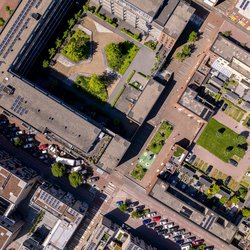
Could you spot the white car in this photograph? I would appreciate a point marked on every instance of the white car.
(163, 222)
(19, 132)
(151, 214)
(188, 157)
(53, 149)
(248, 173)
(169, 225)
(143, 217)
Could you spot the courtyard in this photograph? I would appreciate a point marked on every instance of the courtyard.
(222, 141)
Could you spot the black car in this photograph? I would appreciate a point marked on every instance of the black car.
(129, 210)
(224, 107)
(228, 179)
(158, 228)
(140, 208)
(164, 231)
(248, 123)
(233, 162)
(173, 229)
(209, 248)
(152, 224)
(180, 242)
(133, 204)
(209, 169)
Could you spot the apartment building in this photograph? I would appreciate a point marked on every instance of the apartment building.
(61, 215)
(16, 182)
(109, 235)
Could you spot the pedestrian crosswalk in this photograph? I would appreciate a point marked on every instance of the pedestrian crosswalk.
(108, 191)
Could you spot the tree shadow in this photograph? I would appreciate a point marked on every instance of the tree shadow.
(245, 134)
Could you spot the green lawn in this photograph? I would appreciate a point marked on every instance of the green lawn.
(138, 172)
(221, 141)
(161, 135)
(178, 152)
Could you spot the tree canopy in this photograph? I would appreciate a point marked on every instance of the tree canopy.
(193, 37)
(75, 179)
(78, 47)
(93, 85)
(2, 22)
(58, 169)
(246, 212)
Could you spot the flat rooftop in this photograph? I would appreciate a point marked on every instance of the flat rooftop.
(228, 50)
(146, 101)
(113, 153)
(159, 192)
(4, 236)
(189, 101)
(148, 6)
(166, 12)
(43, 113)
(178, 20)
(15, 34)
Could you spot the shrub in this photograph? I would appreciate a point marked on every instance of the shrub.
(245, 212)
(2, 22)
(151, 44)
(136, 36)
(235, 200)
(123, 208)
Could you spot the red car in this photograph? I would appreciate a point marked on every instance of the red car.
(198, 243)
(157, 218)
(43, 146)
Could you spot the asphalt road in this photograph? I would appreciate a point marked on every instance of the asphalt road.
(43, 170)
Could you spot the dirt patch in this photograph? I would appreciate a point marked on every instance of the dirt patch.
(3, 3)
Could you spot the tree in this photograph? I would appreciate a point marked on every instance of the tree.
(2, 22)
(186, 50)
(235, 199)
(58, 169)
(52, 52)
(193, 37)
(18, 142)
(214, 189)
(58, 43)
(45, 64)
(180, 56)
(75, 179)
(7, 8)
(245, 212)
(71, 22)
(227, 33)
(123, 208)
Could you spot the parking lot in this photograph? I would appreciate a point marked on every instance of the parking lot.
(157, 226)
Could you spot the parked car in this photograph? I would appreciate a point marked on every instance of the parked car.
(29, 145)
(94, 179)
(163, 231)
(145, 222)
(152, 214)
(129, 210)
(43, 157)
(140, 208)
(188, 157)
(224, 107)
(53, 149)
(169, 225)
(43, 146)
(192, 159)
(29, 139)
(180, 242)
(198, 243)
(13, 129)
(191, 239)
(186, 246)
(173, 229)
(163, 222)
(119, 203)
(167, 235)
(143, 216)
(248, 173)
(152, 224)
(133, 204)
(157, 218)
(175, 238)
(45, 151)
(228, 179)
(179, 232)
(19, 132)
(209, 169)
(233, 162)
(209, 248)
(186, 235)
(158, 228)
